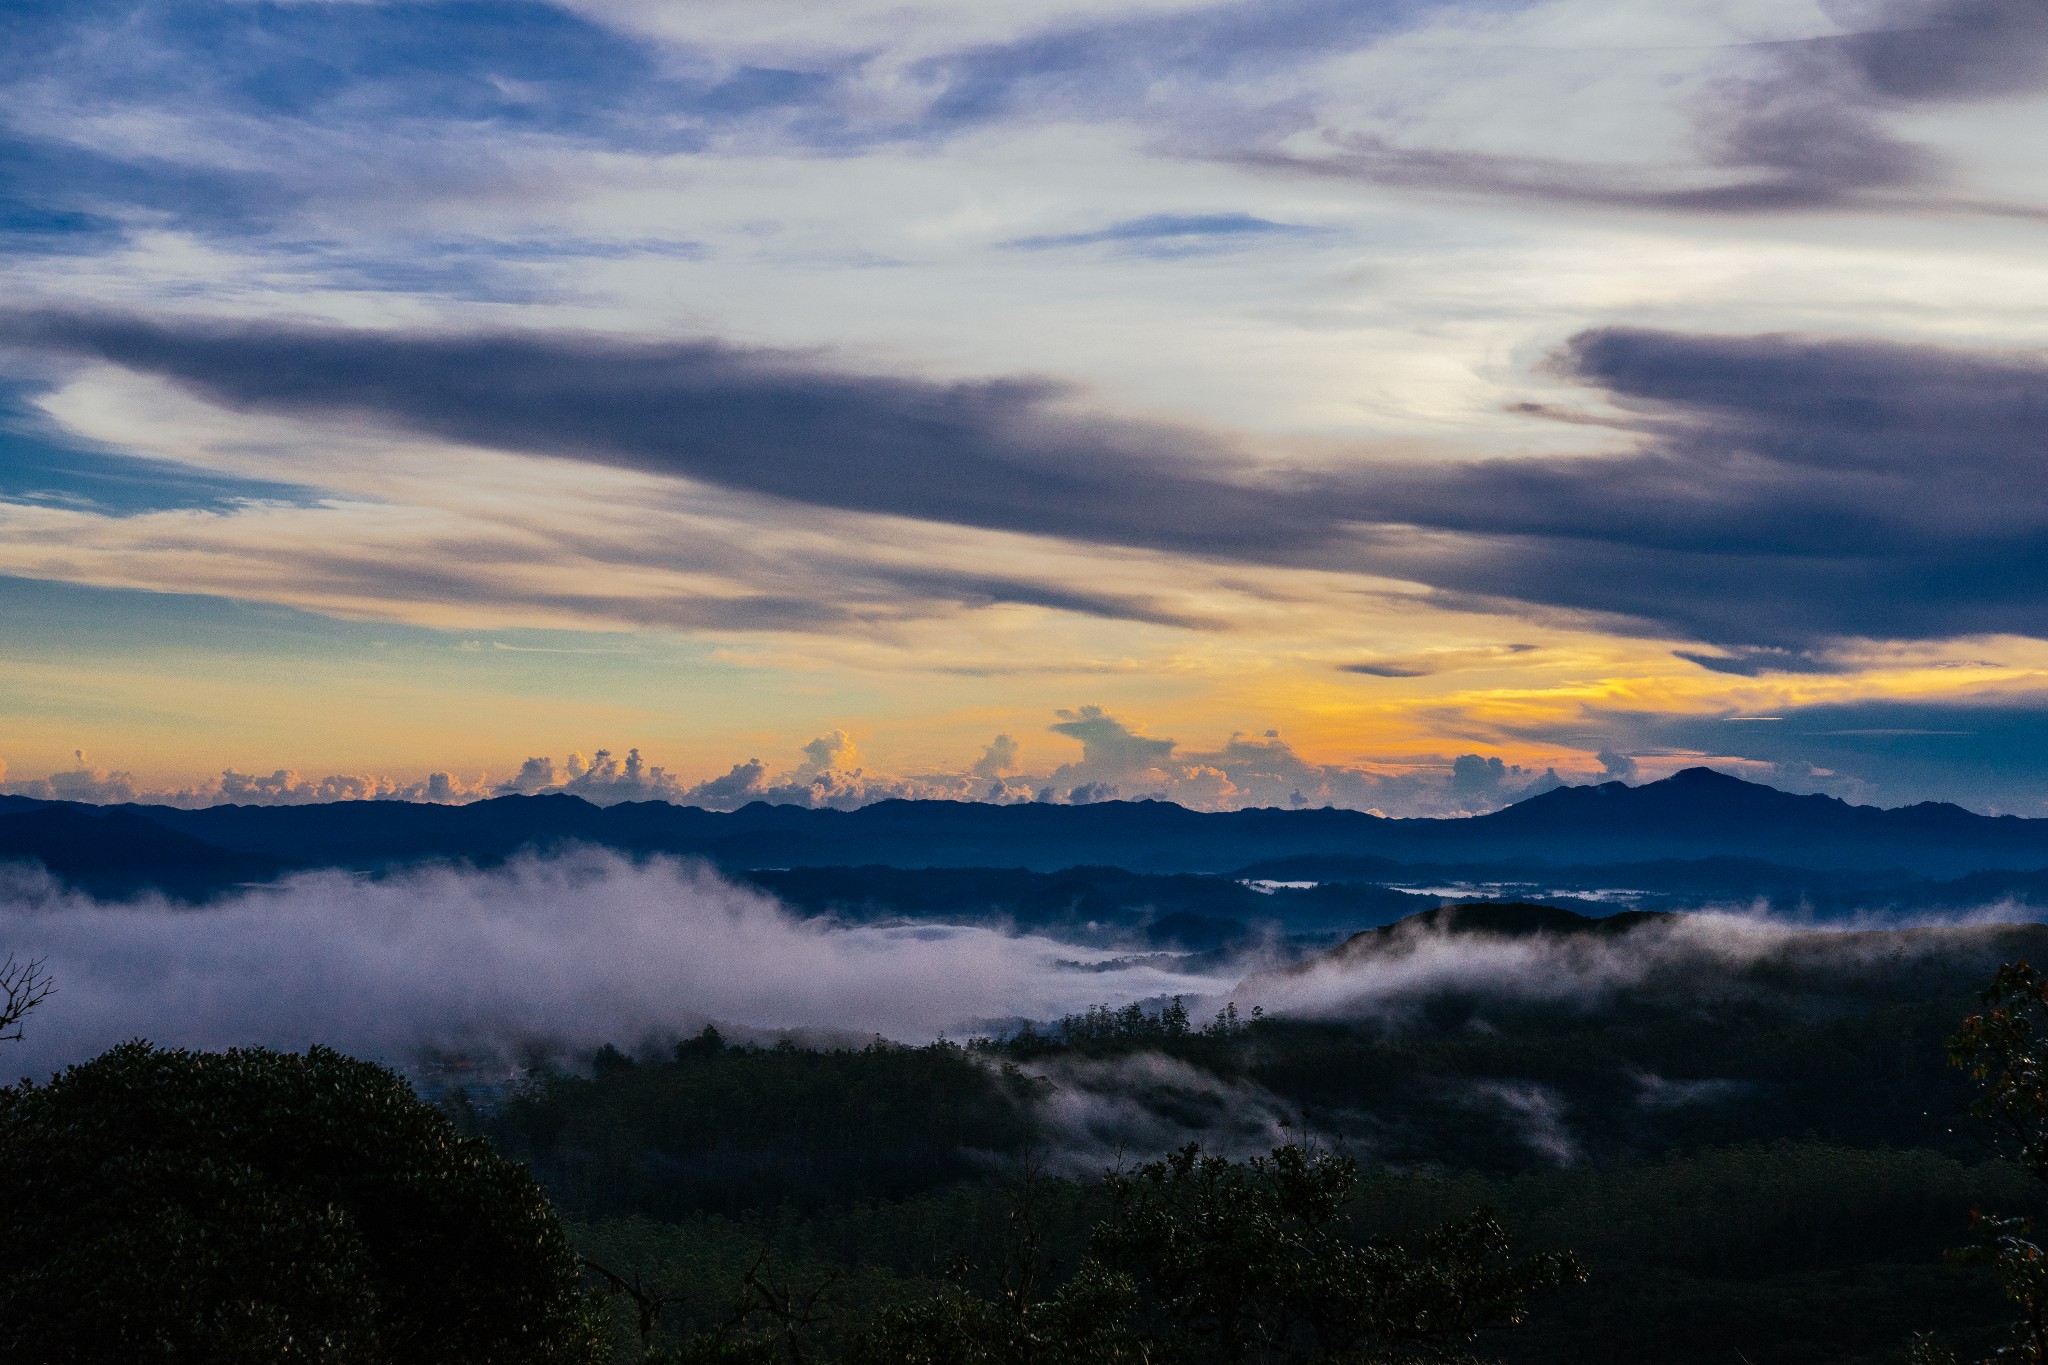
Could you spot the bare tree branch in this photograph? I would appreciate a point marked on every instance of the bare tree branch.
(23, 986)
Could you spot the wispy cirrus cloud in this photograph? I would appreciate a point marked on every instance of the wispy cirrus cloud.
(1788, 123)
(1169, 234)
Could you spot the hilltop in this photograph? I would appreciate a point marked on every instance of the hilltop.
(1696, 817)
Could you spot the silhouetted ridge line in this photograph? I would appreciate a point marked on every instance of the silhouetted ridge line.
(1695, 815)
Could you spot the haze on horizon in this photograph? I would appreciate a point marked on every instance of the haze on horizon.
(1400, 405)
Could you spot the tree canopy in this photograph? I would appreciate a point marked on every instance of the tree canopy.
(262, 1206)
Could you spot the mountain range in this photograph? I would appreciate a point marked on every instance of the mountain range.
(1697, 832)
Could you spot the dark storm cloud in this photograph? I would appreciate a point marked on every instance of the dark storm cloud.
(1788, 492)
(1785, 494)
(999, 454)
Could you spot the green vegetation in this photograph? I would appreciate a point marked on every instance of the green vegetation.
(1766, 1163)
(1784, 1252)
(725, 1129)
(1184, 1261)
(260, 1206)
(2002, 1048)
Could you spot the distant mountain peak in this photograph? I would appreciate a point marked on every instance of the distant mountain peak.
(1700, 773)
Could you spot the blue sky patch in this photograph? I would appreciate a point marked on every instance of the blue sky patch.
(42, 466)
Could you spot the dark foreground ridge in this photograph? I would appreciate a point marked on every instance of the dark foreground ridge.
(1505, 919)
(1695, 815)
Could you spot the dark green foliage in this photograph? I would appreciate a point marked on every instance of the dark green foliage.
(1259, 1262)
(866, 1259)
(1787, 1254)
(1206, 1261)
(726, 1129)
(1081, 1323)
(260, 1206)
(2001, 1048)
(1761, 1161)
(1028, 1317)
(1102, 1031)
(1841, 1038)
(1190, 1260)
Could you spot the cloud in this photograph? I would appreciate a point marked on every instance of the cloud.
(827, 774)
(275, 125)
(39, 464)
(980, 590)
(283, 787)
(1484, 781)
(1785, 493)
(1000, 757)
(1097, 1112)
(1390, 668)
(1388, 975)
(87, 783)
(827, 753)
(1432, 662)
(1110, 749)
(1756, 661)
(1193, 68)
(1265, 771)
(1988, 752)
(286, 788)
(574, 951)
(1000, 454)
(1616, 767)
(1536, 1112)
(1788, 493)
(1118, 761)
(1170, 234)
(254, 114)
(1811, 124)
(1790, 125)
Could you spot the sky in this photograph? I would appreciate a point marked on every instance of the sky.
(1389, 404)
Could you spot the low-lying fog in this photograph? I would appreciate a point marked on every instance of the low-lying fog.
(569, 951)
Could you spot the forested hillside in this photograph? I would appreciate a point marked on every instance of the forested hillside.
(1759, 1157)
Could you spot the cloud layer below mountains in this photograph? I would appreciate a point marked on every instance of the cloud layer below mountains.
(566, 952)
(1389, 977)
